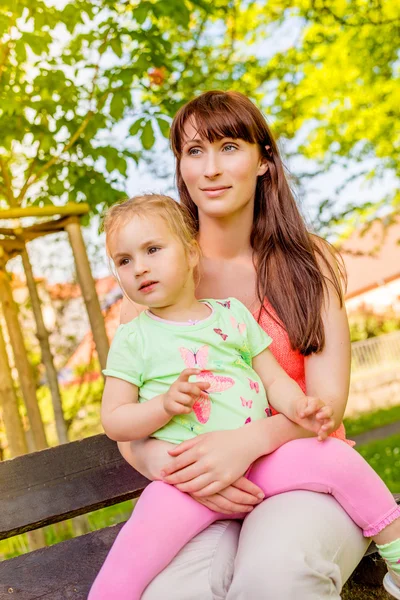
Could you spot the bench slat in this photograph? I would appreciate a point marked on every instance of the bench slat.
(54, 484)
(61, 572)
(67, 570)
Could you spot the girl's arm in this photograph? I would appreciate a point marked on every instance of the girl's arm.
(287, 397)
(123, 418)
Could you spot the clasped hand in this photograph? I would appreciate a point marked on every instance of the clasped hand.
(314, 415)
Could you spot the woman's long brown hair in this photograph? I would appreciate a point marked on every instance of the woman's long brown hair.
(287, 257)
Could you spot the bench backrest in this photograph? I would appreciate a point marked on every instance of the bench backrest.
(62, 482)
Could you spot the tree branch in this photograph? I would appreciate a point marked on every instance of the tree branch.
(8, 47)
(7, 182)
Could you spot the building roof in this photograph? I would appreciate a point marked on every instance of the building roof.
(372, 258)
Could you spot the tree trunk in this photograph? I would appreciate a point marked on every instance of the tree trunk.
(9, 404)
(88, 288)
(26, 379)
(47, 358)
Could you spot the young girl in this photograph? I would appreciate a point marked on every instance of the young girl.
(148, 393)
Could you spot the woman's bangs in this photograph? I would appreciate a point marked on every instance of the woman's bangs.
(224, 122)
(221, 124)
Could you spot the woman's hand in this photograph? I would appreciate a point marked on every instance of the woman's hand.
(210, 462)
(240, 497)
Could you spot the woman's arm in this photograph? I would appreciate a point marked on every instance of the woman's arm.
(210, 462)
(328, 372)
(149, 457)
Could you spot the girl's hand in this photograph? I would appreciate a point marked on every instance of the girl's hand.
(210, 462)
(314, 415)
(240, 497)
(183, 394)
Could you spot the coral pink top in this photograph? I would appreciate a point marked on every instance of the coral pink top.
(290, 360)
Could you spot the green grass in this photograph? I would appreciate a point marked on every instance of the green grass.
(372, 420)
(66, 530)
(384, 458)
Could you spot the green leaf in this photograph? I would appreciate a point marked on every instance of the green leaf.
(147, 136)
(137, 125)
(164, 127)
(117, 106)
(116, 45)
(141, 12)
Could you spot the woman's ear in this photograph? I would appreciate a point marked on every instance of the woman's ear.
(263, 167)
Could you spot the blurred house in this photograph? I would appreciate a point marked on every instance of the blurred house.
(372, 262)
(66, 319)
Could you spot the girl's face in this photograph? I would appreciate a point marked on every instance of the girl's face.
(151, 262)
(221, 176)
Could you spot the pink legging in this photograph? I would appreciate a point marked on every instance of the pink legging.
(165, 519)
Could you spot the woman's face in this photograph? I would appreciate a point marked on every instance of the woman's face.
(221, 177)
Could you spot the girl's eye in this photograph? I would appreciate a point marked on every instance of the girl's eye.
(153, 249)
(123, 261)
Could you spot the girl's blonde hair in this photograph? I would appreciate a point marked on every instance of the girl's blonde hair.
(175, 215)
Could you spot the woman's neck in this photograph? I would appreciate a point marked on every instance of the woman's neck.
(226, 239)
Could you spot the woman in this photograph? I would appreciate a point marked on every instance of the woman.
(256, 248)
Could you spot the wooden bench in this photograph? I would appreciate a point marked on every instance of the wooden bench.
(53, 485)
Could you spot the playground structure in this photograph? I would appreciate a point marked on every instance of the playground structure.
(13, 242)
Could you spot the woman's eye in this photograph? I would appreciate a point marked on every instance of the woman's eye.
(194, 151)
(153, 249)
(230, 147)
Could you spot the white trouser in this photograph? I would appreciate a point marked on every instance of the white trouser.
(298, 545)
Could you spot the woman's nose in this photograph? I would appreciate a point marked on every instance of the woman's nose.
(212, 166)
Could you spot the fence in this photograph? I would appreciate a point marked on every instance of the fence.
(376, 355)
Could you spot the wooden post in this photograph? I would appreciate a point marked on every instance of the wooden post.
(16, 212)
(9, 404)
(88, 288)
(47, 358)
(26, 379)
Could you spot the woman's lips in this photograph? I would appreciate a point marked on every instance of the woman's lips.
(215, 193)
(148, 287)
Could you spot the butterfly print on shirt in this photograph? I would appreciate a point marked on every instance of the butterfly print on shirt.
(225, 303)
(254, 385)
(246, 403)
(218, 383)
(220, 332)
(240, 326)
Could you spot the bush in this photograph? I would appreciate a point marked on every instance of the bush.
(365, 323)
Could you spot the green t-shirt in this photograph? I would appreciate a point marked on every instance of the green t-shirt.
(151, 353)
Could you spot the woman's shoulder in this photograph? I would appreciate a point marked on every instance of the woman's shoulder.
(130, 310)
(331, 264)
(230, 303)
